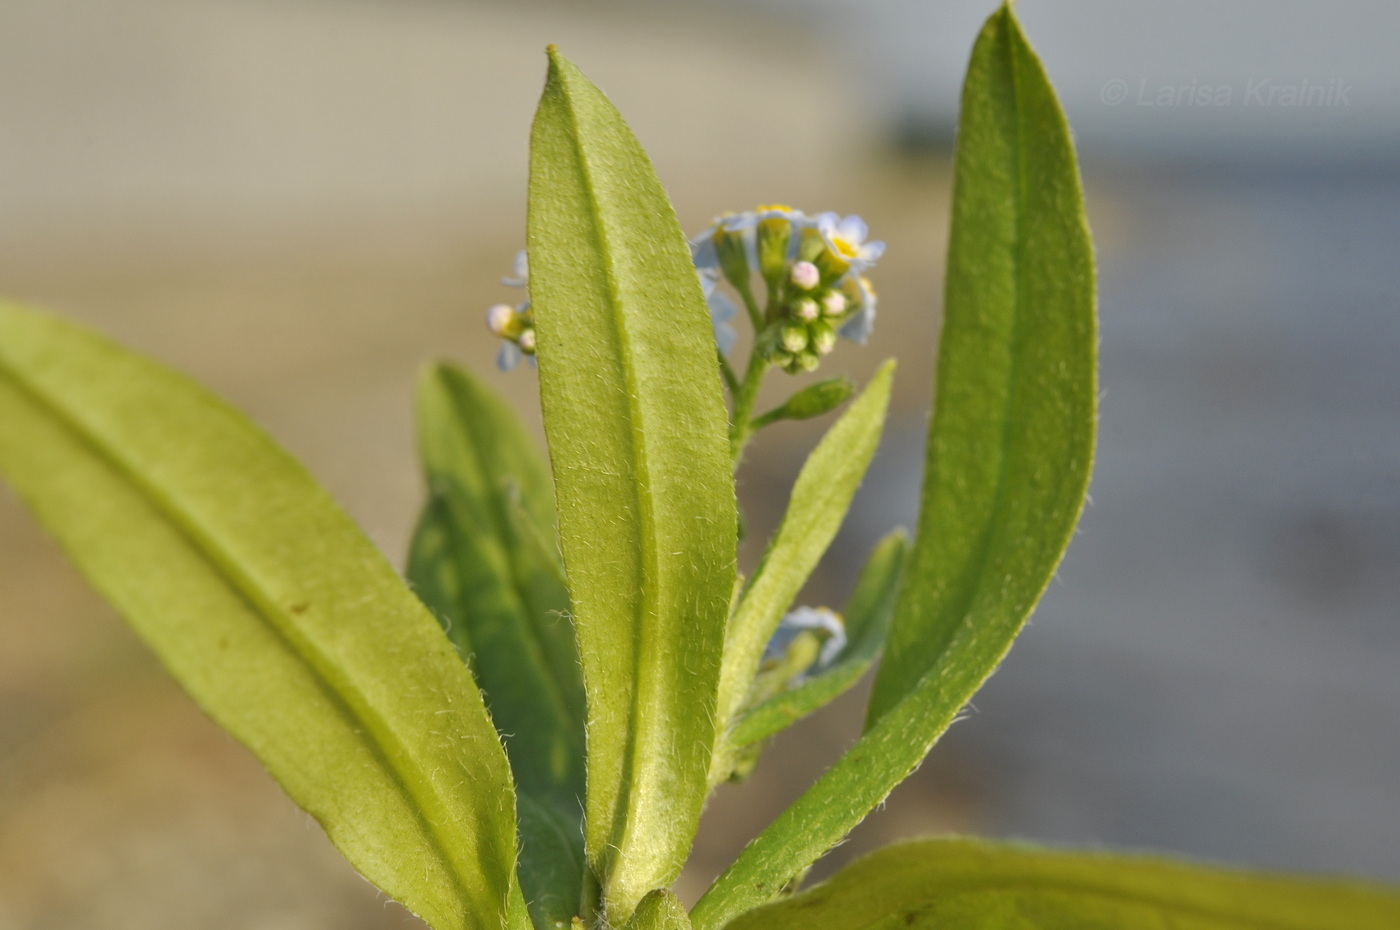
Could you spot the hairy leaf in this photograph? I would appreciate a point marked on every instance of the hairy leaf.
(480, 561)
(812, 401)
(975, 885)
(269, 607)
(1012, 435)
(637, 432)
(820, 498)
(660, 910)
(1009, 451)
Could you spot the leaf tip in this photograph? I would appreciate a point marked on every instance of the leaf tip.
(884, 375)
(433, 370)
(432, 377)
(559, 66)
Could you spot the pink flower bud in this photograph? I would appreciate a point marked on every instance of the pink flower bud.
(805, 275)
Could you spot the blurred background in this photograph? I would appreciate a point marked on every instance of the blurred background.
(299, 202)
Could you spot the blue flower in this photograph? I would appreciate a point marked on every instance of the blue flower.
(509, 356)
(722, 310)
(861, 294)
(817, 619)
(521, 275)
(814, 270)
(846, 240)
(515, 325)
(727, 246)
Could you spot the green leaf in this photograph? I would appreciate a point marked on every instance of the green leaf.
(637, 430)
(974, 885)
(867, 618)
(1012, 436)
(269, 607)
(812, 401)
(480, 563)
(820, 498)
(552, 868)
(660, 910)
(1009, 452)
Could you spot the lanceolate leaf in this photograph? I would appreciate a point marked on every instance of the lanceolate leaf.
(480, 561)
(867, 619)
(973, 885)
(637, 434)
(1012, 435)
(1008, 458)
(269, 606)
(820, 498)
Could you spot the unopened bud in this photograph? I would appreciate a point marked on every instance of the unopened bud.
(503, 321)
(823, 338)
(810, 246)
(805, 275)
(834, 303)
(527, 341)
(733, 256)
(806, 309)
(794, 338)
(808, 361)
(774, 235)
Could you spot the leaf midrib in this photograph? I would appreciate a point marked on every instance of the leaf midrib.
(648, 548)
(538, 654)
(377, 735)
(536, 658)
(990, 534)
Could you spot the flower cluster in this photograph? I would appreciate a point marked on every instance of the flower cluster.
(813, 269)
(516, 325)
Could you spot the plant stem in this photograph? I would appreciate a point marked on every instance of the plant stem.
(751, 305)
(742, 426)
